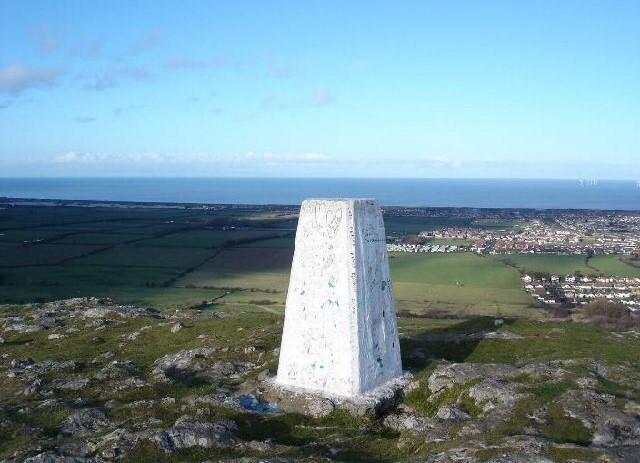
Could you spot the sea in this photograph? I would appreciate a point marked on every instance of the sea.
(476, 193)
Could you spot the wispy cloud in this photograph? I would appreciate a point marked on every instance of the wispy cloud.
(46, 40)
(120, 110)
(94, 49)
(146, 41)
(444, 161)
(321, 96)
(113, 76)
(5, 104)
(357, 64)
(262, 158)
(84, 119)
(16, 78)
(176, 64)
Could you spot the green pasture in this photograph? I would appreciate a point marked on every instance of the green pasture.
(20, 236)
(98, 238)
(87, 276)
(161, 298)
(40, 254)
(260, 281)
(455, 269)
(613, 265)
(547, 263)
(251, 260)
(285, 242)
(464, 301)
(145, 256)
(412, 225)
(459, 282)
(247, 268)
(208, 238)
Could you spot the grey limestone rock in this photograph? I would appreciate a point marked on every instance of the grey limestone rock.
(53, 457)
(197, 363)
(404, 421)
(187, 433)
(320, 407)
(71, 384)
(23, 328)
(117, 370)
(451, 414)
(84, 423)
(458, 373)
(494, 394)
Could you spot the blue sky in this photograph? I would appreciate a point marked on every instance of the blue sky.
(531, 89)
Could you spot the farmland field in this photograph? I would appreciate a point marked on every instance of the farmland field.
(143, 256)
(614, 266)
(547, 263)
(238, 257)
(40, 254)
(208, 238)
(459, 282)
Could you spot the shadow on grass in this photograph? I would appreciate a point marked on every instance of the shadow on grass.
(312, 437)
(454, 343)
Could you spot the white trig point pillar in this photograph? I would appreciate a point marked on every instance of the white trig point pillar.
(340, 334)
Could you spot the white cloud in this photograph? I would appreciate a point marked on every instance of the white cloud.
(264, 158)
(47, 40)
(15, 78)
(84, 119)
(120, 110)
(321, 96)
(444, 161)
(113, 77)
(182, 63)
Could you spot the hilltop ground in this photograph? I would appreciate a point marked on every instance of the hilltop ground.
(97, 381)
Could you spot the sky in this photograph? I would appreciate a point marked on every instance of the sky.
(217, 88)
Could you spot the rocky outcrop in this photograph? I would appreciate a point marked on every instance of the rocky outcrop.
(188, 432)
(459, 373)
(84, 423)
(197, 363)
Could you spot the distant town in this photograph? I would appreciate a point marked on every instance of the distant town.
(527, 232)
(573, 290)
(547, 232)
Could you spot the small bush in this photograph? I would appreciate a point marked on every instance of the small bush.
(609, 316)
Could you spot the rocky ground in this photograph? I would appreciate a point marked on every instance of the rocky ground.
(87, 380)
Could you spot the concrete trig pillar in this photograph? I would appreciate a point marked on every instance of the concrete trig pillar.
(340, 332)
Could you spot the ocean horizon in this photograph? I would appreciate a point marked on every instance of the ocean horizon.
(410, 192)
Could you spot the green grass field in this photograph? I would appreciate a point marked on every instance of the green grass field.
(459, 282)
(567, 264)
(143, 256)
(98, 238)
(178, 256)
(413, 225)
(248, 268)
(614, 266)
(14, 255)
(545, 263)
(208, 238)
